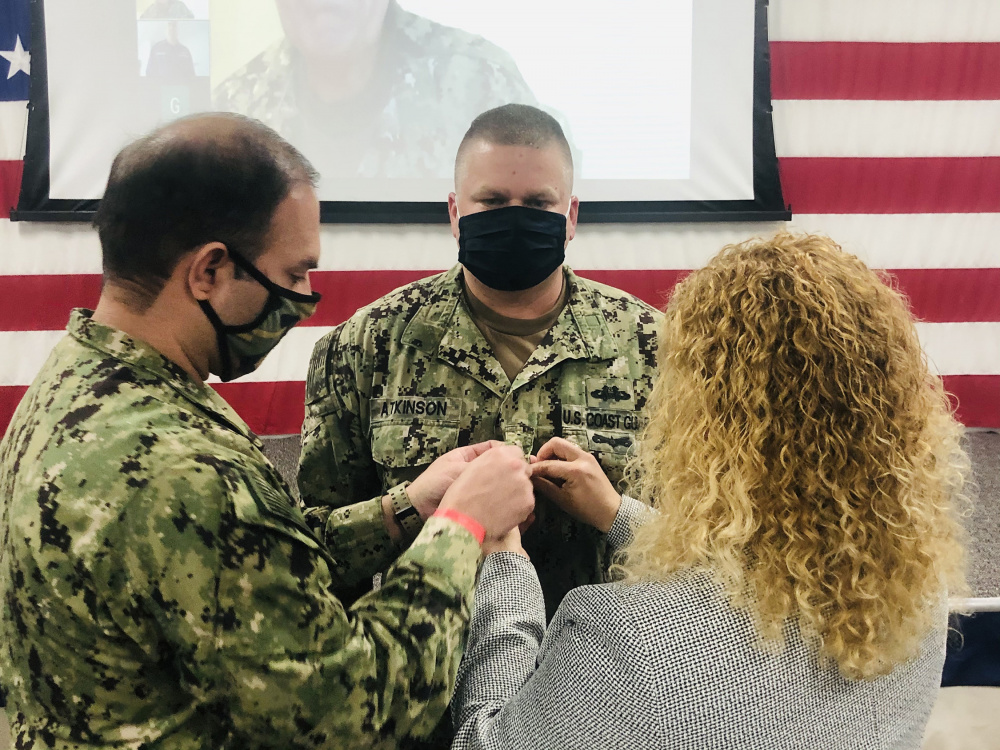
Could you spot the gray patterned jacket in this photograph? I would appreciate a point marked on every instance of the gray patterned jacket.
(664, 665)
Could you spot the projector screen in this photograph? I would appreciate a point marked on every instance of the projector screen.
(662, 101)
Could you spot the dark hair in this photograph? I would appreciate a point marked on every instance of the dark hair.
(516, 125)
(207, 178)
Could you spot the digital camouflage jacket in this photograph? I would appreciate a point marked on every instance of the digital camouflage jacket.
(411, 377)
(430, 82)
(159, 587)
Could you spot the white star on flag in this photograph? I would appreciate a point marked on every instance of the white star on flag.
(19, 59)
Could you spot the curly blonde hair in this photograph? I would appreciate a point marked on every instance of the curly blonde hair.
(800, 450)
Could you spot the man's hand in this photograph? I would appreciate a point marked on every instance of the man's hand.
(573, 480)
(494, 490)
(425, 492)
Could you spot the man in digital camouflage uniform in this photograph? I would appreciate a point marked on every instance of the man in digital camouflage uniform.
(159, 586)
(509, 344)
(368, 89)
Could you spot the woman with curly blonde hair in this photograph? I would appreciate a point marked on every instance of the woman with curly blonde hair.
(789, 588)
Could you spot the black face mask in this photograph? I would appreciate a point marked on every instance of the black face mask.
(242, 348)
(512, 248)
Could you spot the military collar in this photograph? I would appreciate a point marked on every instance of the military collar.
(426, 329)
(586, 307)
(141, 356)
(581, 329)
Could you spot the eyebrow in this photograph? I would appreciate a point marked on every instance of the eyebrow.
(547, 194)
(309, 264)
(489, 193)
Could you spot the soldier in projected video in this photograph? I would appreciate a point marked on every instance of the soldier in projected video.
(170, 60)
(367, 89)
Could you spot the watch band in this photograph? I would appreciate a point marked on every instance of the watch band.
(404, 512)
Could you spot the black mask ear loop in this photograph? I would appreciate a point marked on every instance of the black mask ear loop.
(221, 329)
(220, 337)
(265, 282)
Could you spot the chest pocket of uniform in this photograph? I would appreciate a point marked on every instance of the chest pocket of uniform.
(399, 446)
(413, 432)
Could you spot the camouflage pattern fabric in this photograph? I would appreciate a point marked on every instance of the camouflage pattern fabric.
(431, 81)
(159, 587)
(410, 377)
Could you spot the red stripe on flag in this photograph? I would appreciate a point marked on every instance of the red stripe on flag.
(269, 408)
(346, 291)
(948, 295)
(976, 397)
(10, 397)
(277, 408)
(932, 185)
(952, 295)
(10, 186)
(885, 71)
(43, 303)
(651, 286)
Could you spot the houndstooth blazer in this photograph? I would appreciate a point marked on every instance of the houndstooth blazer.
(664, 665)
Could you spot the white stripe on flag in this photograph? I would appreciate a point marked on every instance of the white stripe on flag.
(962, 348)
(13, 116)
(911, 240)
(28, 249)
(288, 361)
(290, 358)
(881, 240)
(30, 348)
(952, 349)
(816, 128)
(884, 21)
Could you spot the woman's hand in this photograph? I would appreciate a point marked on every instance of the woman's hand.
(572, 479)
(509, 542)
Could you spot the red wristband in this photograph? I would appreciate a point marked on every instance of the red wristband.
(472, 525)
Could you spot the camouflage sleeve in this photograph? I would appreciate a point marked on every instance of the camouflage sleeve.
(221, 579)
(359, 542)
(336, 470)
(335, 466)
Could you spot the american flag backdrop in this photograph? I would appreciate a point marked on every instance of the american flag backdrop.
(887, 127)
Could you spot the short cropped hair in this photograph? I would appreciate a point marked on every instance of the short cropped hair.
(188, 184)
(515, 125)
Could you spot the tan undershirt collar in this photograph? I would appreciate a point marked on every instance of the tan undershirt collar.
(514, 326)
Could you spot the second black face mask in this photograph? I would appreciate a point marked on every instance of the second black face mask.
(512, 248)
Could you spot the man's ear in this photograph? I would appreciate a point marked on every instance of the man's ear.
(453, 213)
(574, 213)
(206, 267)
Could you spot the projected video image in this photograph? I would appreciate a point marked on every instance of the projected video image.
(368, 89)
(378, 93)
(173, 50)
(378, 89)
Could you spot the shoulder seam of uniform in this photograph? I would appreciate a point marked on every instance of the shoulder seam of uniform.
(390, 299)
(611, 292)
